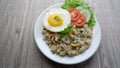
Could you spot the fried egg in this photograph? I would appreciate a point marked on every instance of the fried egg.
(56, 19)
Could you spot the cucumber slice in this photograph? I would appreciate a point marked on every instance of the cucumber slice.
(80, 8)
(87, 14)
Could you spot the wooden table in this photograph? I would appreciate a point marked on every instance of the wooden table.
(18, 48)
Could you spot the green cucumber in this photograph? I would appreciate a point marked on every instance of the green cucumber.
(85, 12)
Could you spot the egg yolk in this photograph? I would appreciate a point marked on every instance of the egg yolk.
(55, 20)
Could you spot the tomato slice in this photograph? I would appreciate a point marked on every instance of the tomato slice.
(80, 22)
(75, 14)
(77, 18)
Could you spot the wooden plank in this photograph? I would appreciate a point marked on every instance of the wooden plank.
(18, 48)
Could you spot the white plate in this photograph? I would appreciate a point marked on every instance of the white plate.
(65, 60)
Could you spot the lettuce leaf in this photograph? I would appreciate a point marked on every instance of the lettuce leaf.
(67, 31)
(80, 3)
(70, 4)
(92, 20)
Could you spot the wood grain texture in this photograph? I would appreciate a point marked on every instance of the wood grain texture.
(18, 48)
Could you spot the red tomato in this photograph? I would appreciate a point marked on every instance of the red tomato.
(80, 22)
(77, 18)
(75, 14)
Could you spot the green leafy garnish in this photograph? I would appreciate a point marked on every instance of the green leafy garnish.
(92, 20)
(70, 4)
(57, 18)
(84, 5)
(67, 31)
(80, 5)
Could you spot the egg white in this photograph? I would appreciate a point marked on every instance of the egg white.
(66, 19)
